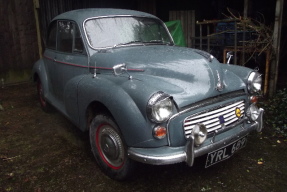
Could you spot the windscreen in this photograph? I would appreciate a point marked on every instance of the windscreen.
(125, 30)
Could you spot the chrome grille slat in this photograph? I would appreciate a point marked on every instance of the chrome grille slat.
(207, 116)
(211, 125)
(214, 128)
(214, 118)
(211, 118)
(237, 104)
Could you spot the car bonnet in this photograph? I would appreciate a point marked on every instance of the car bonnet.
(188, 75)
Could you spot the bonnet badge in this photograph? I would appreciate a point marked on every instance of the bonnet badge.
(238, 112)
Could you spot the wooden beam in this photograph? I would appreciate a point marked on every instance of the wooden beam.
(36, 8)
(276, 45)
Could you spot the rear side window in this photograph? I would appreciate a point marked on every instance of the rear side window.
(52, 36)
(65, 36)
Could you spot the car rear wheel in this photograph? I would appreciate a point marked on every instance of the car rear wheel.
(44, 104)
(109, 148)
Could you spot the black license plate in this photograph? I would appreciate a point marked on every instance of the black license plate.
(225, 152)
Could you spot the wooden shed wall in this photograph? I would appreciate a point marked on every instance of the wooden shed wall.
(18, 40)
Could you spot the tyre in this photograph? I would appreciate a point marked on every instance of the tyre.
(44, 104)
(109, 148)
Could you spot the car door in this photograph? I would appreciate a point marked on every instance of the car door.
(71, 63)
(68, 62)
(48, 57)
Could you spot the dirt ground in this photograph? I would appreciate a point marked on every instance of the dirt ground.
(45, 152)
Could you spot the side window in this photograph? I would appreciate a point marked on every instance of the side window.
(69, 38)
(52, 35)
(65, 36)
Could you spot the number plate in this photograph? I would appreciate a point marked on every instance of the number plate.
(225, 152)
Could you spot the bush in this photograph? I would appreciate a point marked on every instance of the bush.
(275, 115)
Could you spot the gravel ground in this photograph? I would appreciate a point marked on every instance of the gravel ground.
(45, 152)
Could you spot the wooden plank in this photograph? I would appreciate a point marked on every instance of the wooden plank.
(276, 45)
(193, 26)
(188, 23)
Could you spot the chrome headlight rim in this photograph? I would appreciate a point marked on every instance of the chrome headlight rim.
(158, 104)
(254, 82)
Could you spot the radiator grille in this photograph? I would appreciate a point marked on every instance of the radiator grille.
(213, 119)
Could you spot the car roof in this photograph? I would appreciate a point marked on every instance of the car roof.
(81, 15)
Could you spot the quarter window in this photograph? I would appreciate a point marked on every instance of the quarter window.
(52, 35)
(65, 36)
(78, 43)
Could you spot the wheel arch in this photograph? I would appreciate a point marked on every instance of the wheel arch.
(128, 114)
(35, 77)
(93, 109)
(39, 73)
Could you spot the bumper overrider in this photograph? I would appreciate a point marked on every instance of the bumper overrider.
(170, 155)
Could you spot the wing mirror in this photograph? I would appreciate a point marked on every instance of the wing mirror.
(120, 69)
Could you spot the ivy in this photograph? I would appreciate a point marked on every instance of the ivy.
(275, 114)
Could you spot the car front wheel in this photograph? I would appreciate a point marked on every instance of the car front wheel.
(109, 148)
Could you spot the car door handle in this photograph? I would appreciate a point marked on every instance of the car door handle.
(55, 59)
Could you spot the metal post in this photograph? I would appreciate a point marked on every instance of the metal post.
(208, 40)
(235, 43)
(244, 29)
(200, 37)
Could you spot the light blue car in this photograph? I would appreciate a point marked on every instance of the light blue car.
(117, 74)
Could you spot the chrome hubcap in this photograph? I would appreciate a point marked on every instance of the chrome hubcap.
(111, 146)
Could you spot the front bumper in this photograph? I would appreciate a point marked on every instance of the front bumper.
(170, 155)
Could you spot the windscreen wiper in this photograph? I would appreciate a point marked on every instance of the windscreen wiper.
(127, 43)
(159, 41)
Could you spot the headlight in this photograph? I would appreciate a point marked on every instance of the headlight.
(254, 82)
(159, 107)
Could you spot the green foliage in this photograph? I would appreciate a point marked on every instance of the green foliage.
(276, 113)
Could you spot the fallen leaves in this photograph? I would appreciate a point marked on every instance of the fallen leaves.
(6, 158)
(260, 161)
(1, 108)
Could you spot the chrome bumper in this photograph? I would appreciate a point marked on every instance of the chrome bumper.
(170, 155)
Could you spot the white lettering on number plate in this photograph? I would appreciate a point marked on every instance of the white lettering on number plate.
(225, 152)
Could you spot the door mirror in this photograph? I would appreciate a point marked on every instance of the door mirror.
(119, 69)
